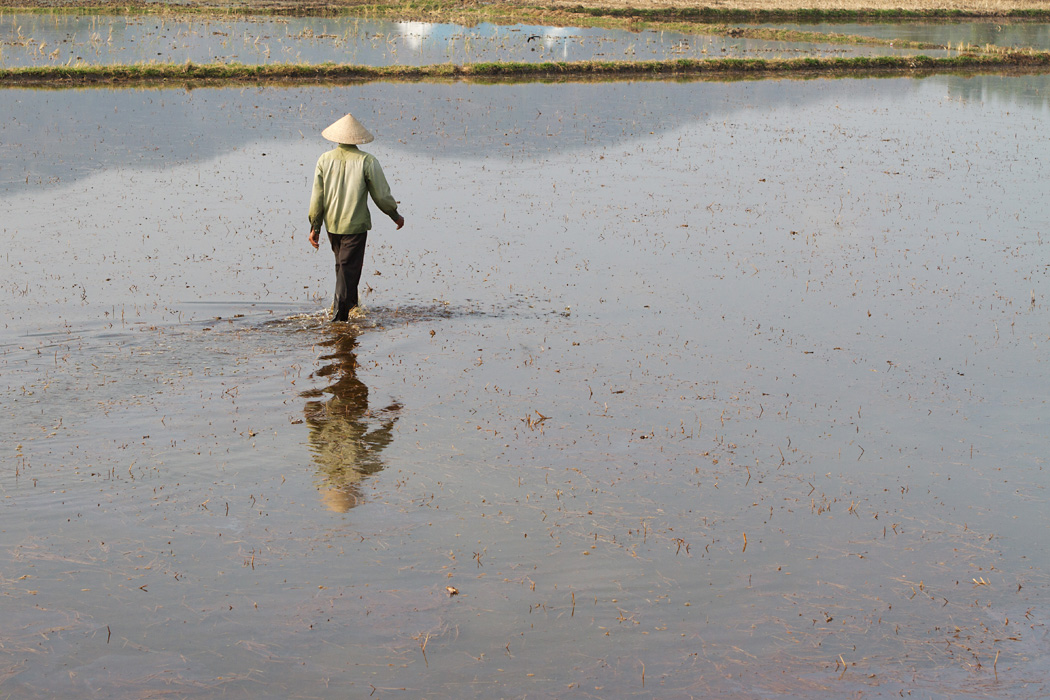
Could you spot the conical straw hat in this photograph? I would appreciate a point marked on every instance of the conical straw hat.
(349, 131)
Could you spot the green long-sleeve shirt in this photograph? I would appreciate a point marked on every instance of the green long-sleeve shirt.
(342, 179)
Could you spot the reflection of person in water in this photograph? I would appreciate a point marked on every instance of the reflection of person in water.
(345, 436)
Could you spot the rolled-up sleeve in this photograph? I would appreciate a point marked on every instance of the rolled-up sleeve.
(378, 188)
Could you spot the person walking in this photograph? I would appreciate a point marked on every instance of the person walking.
(343, 180)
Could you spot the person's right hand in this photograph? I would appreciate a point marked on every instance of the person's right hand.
(314, 237)
(400, 221)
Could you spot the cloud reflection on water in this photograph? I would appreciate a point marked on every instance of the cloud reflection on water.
(413, 34)
(50, 136)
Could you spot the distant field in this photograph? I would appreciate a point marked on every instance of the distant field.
(990, 8)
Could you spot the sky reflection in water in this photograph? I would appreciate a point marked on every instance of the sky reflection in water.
(1016, 35)
(156, 128)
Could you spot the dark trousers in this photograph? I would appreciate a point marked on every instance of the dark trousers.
(349, 252)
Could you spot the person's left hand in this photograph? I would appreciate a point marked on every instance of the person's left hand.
(400, 221)
(314, 237)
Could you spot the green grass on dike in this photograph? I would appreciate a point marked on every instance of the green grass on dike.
(191, 73)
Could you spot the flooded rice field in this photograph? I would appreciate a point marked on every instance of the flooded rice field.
(1014, 35)
(666, 389)
(62, 39)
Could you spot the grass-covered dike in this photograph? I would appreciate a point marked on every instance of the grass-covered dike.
(727, 67)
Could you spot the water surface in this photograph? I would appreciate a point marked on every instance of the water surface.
(687, 388)
(1017, 35)
(39, 40)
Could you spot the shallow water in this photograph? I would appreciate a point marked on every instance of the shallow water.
(41, 40)
(1016, 35)
(684, 401)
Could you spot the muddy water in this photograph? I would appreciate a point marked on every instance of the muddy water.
(691, 401)
(1018, 35)
(41, 40)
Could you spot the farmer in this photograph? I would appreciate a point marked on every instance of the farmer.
(342, 179)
